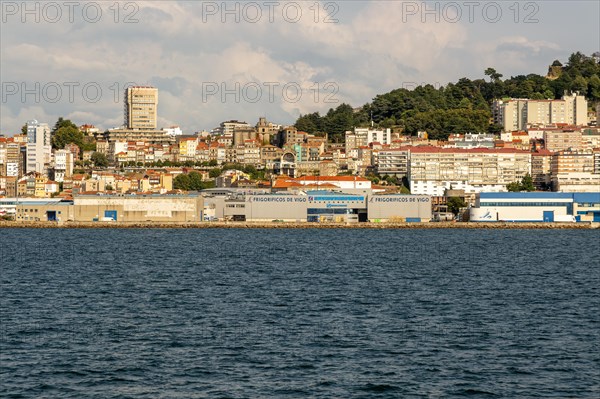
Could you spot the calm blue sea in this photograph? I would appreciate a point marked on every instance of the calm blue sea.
(230, 313)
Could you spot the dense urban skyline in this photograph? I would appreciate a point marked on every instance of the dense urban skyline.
(265, 49)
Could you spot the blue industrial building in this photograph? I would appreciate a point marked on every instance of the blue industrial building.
(536, 207)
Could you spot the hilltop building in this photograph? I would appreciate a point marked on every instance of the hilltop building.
(141, 103)
(517, 113)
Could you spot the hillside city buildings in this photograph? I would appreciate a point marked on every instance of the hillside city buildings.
(550, 140)
(516, 113)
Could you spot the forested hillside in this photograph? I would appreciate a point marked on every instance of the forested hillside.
(459, 107)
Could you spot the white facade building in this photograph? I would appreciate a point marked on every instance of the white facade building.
(12, 169)
(517, 113)
(173, 131)
(39, 149)
(433, 170)
(364, 136)
(63, 165)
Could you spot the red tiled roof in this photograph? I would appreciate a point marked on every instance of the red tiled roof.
(331, 178)
(542, 152)
(282, 183)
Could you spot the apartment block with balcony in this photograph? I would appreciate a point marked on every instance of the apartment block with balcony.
(518, 114)
(433, 170)
(572, 162)
(364, 136)
(393, 162)
(541, 169)
(563, 140)
(63, 166)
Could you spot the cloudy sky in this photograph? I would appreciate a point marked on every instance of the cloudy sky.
(214, 61)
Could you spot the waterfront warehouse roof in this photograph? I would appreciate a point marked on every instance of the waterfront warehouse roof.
(526, 195)
(322, 193)
(592, 198)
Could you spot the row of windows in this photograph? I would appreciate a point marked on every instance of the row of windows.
(33, 211)
(546, 204)
(330, 211)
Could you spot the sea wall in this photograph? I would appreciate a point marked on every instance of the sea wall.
(282, 225)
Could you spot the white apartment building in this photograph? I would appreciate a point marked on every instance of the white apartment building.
(114, 148)
(227, 128)
(173, 131)
(471, 140)
(251, 154)
(63, 165)
(12, 169)
(518, 113)
(364, 136)
(583, 182)
(393, 162)
(39, 148)
(433, 170)
(590, 138)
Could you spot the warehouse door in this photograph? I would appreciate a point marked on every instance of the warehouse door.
(110, 215)
(51, 216)
(549, 216)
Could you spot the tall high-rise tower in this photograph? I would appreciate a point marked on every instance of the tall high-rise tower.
(141, 103)
(39, 149)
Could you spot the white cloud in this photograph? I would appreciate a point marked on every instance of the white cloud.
(370, 51)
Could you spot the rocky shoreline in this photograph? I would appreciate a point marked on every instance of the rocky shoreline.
(295, 225)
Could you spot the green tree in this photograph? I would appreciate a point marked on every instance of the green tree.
(514, 187)
(66, 135)
(594, 88)
(214, 173)
(181, 182)
(580, 85)
(60, 123)
(251, 170)
(99, 159)
(196, 183)
(455, 203)
(493, 74)
(191, 182)
(465, 103)
(308, 123)
(527, 183)
(24, 129)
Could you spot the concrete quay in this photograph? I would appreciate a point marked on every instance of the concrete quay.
(297, 225)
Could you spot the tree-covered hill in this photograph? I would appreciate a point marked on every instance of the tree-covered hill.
(459, 107)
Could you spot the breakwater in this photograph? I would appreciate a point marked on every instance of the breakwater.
(298, 225)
